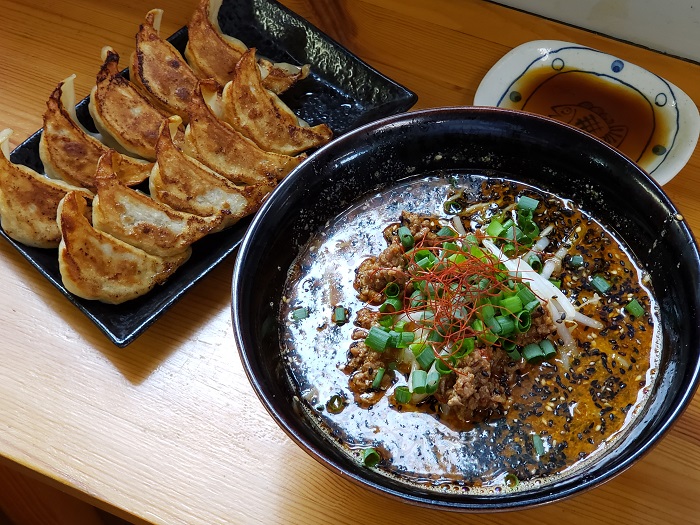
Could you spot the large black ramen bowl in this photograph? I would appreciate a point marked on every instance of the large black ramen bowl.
(529, 148)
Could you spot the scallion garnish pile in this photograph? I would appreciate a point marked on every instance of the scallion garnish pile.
(468, 290)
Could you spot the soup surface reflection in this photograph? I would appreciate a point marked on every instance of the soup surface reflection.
(554, 414)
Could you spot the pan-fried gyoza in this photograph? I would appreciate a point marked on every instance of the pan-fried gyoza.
(29, 200)
(70, 153)
(262, 116)
(159, 71)
(213, 54)
(164, 168)
(216, 144)
(94, 265)
(185, 184)
(126, 119)
(135, 218)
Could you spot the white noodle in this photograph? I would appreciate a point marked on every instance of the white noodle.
(459, 227)
(553, 264)
(568, 347)
(587, 321)
(547, 231)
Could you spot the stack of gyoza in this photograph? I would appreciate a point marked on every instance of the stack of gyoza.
(209, 133)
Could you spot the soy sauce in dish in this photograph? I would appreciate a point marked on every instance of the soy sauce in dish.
(600, 105)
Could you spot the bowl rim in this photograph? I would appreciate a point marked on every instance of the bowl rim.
(524, 499)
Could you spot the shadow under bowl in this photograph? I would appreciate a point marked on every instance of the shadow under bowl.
(525, 147)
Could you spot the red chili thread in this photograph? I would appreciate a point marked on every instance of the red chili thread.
(453, 287)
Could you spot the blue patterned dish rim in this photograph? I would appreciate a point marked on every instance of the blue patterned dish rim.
(532, 69)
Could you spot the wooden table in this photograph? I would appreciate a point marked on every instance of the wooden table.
(168, 430)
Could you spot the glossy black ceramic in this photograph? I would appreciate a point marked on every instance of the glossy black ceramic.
(341, 91)
(524, 147)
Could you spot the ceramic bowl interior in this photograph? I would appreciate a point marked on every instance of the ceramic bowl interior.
(528, 148)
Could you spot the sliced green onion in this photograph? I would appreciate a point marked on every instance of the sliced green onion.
(433, 290)
(535, 262)
(529, 228)
(457, 258)
(506, 325)
(435, 337)
(538, 444)
(512, 304)
(576, 261)
(526, 294)
(532, 306)
(417, 299)
(556, 282)
(450, 247)
(452, 207)
(634, 308)
(508, 224)
(446, 231)
(432, 382)
(300, 313)
(392, 290)
(400, 326)
(406, 237)
(470, 240)
(485, 284)
(488, 337)
(527, 203)
(599, 283)
(402, 394)
(377, 339)
(511, 480)
(387, 321)
(419, 380)
(377, 382)
(417, 348)
(477, 252)
(495, 228)
(515, 235)
(486, 309)
(426, 357)
(404, 339)
(340, 315)
(524, 216)
(463, 347)
(370, 457)
(335, 404)
(548, 349)
(442, 367)
(533, 353)
(524, 321)
(511, 349)
(509, 250)
(392, 304)
(426, 263)
(493, 325)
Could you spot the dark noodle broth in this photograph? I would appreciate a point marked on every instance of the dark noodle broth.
(576, 404)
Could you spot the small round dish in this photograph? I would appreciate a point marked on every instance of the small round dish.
(646, 117)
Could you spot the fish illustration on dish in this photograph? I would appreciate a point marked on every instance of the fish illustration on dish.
(592, 119)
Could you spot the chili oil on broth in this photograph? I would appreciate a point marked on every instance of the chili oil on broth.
(578, 412)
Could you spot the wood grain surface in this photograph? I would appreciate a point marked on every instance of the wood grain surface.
(168, 429)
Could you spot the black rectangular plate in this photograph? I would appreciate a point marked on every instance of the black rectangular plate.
(341, 91)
